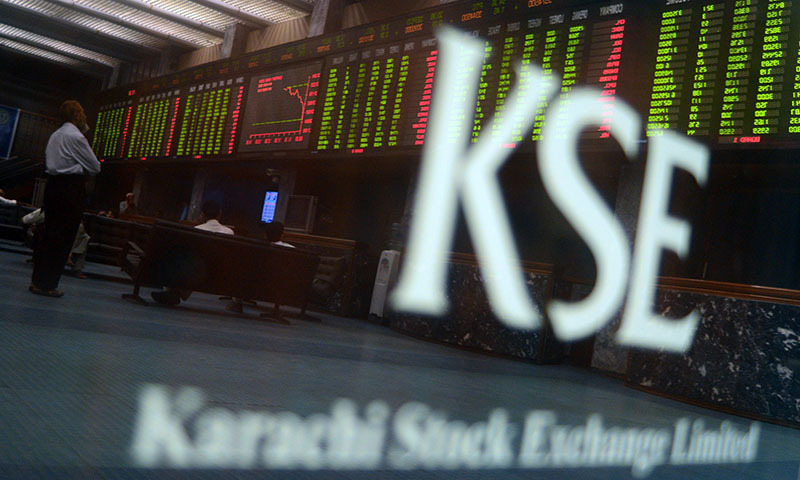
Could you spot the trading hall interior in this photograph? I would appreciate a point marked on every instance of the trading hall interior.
(411, 239)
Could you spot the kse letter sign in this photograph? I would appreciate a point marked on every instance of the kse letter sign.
(454, 171)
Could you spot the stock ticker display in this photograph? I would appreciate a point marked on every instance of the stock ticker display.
(280, 109)
(378, 97)
(580, 46)
(726, 72)
(210, 118)
(111, 129)
(154, 125)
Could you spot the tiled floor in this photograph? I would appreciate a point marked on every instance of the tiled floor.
(72, 370)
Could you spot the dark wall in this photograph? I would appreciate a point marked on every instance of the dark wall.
(540, 230)
(240, 191)
(359, 199)
(164, 191)
(110, 187)
(40, 86)
(745, 223)
(751, 224)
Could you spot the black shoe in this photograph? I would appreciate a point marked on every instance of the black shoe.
(165, 298)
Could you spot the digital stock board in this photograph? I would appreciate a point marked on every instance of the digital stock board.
(210, 118)
(153, 125)
(373, 98)
(280, 109)
(726, 72)
(111, 130)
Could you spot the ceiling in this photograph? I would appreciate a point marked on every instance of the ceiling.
(95, 36)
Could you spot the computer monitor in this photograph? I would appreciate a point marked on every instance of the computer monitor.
(300, 213)
(268, 209)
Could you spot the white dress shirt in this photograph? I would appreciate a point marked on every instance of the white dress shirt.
(68, 153)
(214, 226)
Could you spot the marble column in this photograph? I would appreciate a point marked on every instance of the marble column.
(608, 355)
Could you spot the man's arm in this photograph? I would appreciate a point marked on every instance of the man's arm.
(85, 156)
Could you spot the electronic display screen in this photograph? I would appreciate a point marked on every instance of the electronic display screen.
(280, 109)
(722, 71)
(581, 46)
(9, 117)
(210, 118)
(378, 97)
(112, 129)
(268, 210)
(726, 70)
(153, 127)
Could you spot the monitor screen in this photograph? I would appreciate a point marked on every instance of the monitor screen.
(280, 109)
(300, 213)
(268, 210)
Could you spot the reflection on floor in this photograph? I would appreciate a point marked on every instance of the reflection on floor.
(72, 371)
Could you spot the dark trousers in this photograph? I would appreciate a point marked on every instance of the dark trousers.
(64, 201)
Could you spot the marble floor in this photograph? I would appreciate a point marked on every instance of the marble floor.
(75, 373)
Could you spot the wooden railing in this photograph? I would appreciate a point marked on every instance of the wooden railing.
(690, 285)
(731, 290)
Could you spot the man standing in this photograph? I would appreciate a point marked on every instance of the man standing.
(68, 158)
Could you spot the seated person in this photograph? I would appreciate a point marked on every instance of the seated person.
(9, 201)
(77, 256)
(211, 215)
(4, 200)
(273, 232)
(128, 206)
